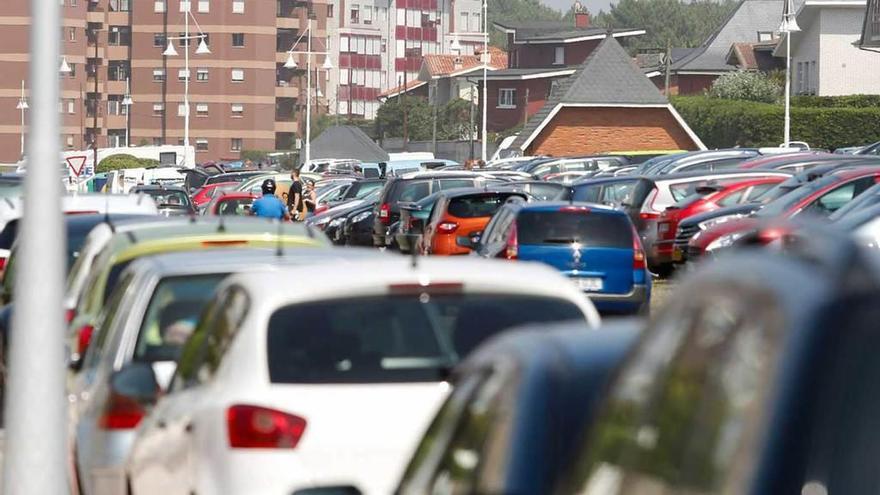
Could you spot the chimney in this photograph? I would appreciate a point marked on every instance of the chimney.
(456, 63)
(581, 16)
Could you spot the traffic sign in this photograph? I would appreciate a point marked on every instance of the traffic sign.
(76, 164)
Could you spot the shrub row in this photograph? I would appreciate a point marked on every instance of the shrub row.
(726, 123)
(850, 101)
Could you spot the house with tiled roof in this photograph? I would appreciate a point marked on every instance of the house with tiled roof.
(540, 55)
(606, 105)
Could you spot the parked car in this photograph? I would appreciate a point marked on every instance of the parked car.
(147, 319)
(611, 191)
(796, 162)
(203, 195)
(539, 190)
(358, 189)
(595, 246)
(260, 411)
(569, 177)
(543, 167)
(816, 199)
(538, 419)
(413, 187)
(231, 203)
(662, 253)
(705, 161)
(458, 217)
(236, 177)
(865, 200)
(413, 218)
(757, 380)
(332, 221)
(171, 200)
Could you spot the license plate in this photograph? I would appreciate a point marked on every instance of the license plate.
(677, 255)
(589, 283)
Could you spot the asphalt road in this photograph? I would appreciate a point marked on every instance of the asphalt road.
(661, 291)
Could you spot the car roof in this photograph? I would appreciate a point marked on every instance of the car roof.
(849, 173)
(477, 191)
(557, 205)
(439, 174)
(720, 174)
(377, 276)
(606, 180)
(158, 187)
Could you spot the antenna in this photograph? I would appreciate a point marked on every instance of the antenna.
(279, 246)
(414, 258)
(221, 228)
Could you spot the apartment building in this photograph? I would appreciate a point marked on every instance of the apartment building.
(241, 95)
(380, 44)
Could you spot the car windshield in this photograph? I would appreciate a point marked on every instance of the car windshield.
(589, 229)
(788, 201)
(172, 315)
(166, 197)
(862, 201)
(406, 338)
(361, 190)
(237, 206)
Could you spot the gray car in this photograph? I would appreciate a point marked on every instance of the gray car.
(148, 317)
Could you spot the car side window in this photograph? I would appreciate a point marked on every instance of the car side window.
(489, 233)
(589, 194)
(685, 415)
(756, 191)
(96, 349)
(732, 198)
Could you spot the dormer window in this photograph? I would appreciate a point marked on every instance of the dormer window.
(559, 56)
(765, 36)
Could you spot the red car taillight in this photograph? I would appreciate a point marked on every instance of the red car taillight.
(255, 427)
(511, 251)
(69, 315)
(120, 413)
(447, 227)
(84, 336)
(648, 215)
(638, 253)
(385, 213)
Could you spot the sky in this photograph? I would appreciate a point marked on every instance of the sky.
(563, 5)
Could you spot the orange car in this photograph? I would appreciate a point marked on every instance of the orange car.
(459, 217)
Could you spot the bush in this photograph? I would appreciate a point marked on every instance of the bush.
(851, 101)
(727, 123)
(748, 86)
(123, 161)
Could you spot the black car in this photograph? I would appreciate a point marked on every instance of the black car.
(234, 177)
(528, 391)
(414, 187)
(172, 201)
(539, 190)
(760, 380)
(358, 189)
(358, 226)
(542, 167)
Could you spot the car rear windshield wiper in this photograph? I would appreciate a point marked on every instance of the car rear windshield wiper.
(561, 240)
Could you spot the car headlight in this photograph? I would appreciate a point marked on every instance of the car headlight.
(336, 222)
(724, 241)
(321, 222)
(361, 216)
(708, 224)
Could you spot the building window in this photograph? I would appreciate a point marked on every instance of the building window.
(383, 44)
(159, 40)
(368, 14)
(559, 55)
(184, 6)
(71, 34)
(355, 14)
(70, 138)
(799, 79)
(182, 110)
(157, 141)
(238, 6)
(159, 6)
(237, 110)
(764, 36)
(506, 98)
(182, 74)
(201, 109)
(814, 82)
(476, 26)
(806, 77)
(237, 75)
(120, 36)
(329, 10)
(158, 109)
(463, 21)
(158, 75)
(238, 40)
(72, 70)
(202, 74)
(120, 6)
(235, 144)
(204, 6)
(201, 144)
(118, 70)
(71, 107)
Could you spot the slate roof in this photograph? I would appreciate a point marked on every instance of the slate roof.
(741, 26)
(346, 141)
(550, 31)
(607, 77)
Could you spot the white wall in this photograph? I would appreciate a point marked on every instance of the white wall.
(845, 69)
(806, 51)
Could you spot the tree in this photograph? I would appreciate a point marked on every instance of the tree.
(452, 119)
(746, 85)
(123, 161)
(517, 10)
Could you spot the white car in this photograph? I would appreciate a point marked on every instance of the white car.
(326, 374)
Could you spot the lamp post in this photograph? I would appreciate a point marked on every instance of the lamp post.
(127, 102)
(22, 106)
(789, 25)
(485, 59)
(291, 64)
(201, 50)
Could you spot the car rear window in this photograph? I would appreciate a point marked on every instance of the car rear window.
(386, 339)
(473, 207)
(566, 227)
(172, 315)
(235, 206)
(413, 191)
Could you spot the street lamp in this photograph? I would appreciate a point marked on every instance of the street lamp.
(789, 25)
(291, 64)
(171, 52)
(485, 59)
(127, 102)
(22, 106)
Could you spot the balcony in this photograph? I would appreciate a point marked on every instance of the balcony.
(116, 52)
(115, 121)
(289, 126)
(116, 87)
(287, 91)
(287, 23)
(90, 51)
(95, 16)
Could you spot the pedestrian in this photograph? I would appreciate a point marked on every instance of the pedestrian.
(269, 206)
(311, 199)
(295, 203)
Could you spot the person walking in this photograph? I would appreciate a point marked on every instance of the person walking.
(311, 199)
(295, 203)
(269, 206)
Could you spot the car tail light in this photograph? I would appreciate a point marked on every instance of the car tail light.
(575, 209)
(255, 427)
(511, 251)
(120, 413)
(447, 227)
(638, 253)
(2, 264)
(83, 338)
(648, 215)
(385, 213)
(69, 315)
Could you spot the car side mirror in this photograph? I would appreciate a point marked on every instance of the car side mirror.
(137, 382)
(328, 490)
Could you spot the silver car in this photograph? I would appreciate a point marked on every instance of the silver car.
(148, 317)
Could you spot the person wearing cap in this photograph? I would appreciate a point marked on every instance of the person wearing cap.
(269, 206)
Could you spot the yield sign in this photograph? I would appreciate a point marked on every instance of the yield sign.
(76, 164)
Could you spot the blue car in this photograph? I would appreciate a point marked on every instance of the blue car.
(592, 244)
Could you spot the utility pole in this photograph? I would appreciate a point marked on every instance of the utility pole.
(526, 108)
(97, 102)
(471, 127)
(668, 64)
(433, 101)
(405, 122)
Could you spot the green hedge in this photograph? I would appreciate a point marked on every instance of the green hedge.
(850, 101)
(122, 161)
(727, 123)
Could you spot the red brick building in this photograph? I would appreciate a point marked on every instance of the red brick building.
(607, 105)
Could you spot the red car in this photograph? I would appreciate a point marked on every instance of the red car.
(819, 198)
(206, 193)
(662, 250)
(232, 203)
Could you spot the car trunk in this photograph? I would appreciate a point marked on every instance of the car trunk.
(611, 266)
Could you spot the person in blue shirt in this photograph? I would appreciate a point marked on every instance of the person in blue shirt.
(269, 206)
